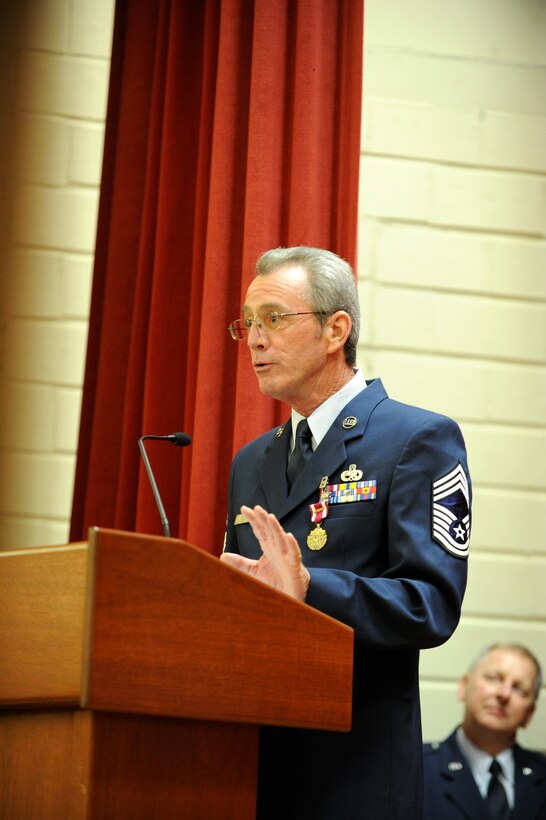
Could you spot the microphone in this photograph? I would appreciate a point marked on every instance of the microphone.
(178, 439)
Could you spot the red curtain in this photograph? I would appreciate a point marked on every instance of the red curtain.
(233, 126)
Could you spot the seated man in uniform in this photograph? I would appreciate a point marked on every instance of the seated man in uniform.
(479, 771)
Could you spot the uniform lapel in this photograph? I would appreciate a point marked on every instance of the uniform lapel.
(458, 783)
(331, 454)
(272, 470)
(530, 787)
(326, 459)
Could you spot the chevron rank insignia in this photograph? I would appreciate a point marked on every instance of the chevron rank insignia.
(451, 512)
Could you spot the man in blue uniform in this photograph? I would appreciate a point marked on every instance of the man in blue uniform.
(479, 772)
(365, 515)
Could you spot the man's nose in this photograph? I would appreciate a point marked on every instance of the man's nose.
(504, 690)
(256, 338)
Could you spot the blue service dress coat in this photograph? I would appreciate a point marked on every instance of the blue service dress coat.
(451, 792)
(393, 568)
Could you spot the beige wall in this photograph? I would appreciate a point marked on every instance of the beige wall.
(453, 282)
(452, 273)
(55, 57)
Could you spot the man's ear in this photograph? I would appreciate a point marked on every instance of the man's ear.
(338, 327)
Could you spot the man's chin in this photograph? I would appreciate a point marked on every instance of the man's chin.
(270, 393)
(494, 721)
(266, 385)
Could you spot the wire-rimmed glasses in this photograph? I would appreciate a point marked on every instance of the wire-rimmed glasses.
(271, 320)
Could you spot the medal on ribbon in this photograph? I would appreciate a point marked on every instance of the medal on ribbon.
(317, 538)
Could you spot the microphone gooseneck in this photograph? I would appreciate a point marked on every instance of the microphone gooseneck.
(180, 440)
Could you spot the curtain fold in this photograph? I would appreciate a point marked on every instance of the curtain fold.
(233, 126)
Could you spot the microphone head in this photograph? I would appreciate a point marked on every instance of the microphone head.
(179, 439)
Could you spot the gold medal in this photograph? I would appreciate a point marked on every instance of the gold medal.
(317, 538)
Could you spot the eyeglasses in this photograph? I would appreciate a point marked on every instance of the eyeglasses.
(271, 320)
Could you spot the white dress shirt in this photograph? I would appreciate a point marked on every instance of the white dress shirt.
(480, 761)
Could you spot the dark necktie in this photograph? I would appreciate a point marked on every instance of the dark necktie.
(497, 801)
(301, 453)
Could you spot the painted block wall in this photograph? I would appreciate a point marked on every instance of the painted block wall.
(55, 61)
(452, 265)
(452, 273)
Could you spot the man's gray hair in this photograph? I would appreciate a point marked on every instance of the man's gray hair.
(331, 284)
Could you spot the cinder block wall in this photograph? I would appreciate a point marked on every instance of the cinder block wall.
(453, 284)
(452, 273)
(55, 60)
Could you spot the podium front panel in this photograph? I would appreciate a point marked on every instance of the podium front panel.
(172, 630)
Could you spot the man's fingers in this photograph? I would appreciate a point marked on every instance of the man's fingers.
(267, 529)
(293, 548)
(257, 518)
(274, 541)
(281, 563)
(238, 561)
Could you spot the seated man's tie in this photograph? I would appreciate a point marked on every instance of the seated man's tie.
(497, 802)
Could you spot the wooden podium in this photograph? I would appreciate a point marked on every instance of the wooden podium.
(135, 672)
